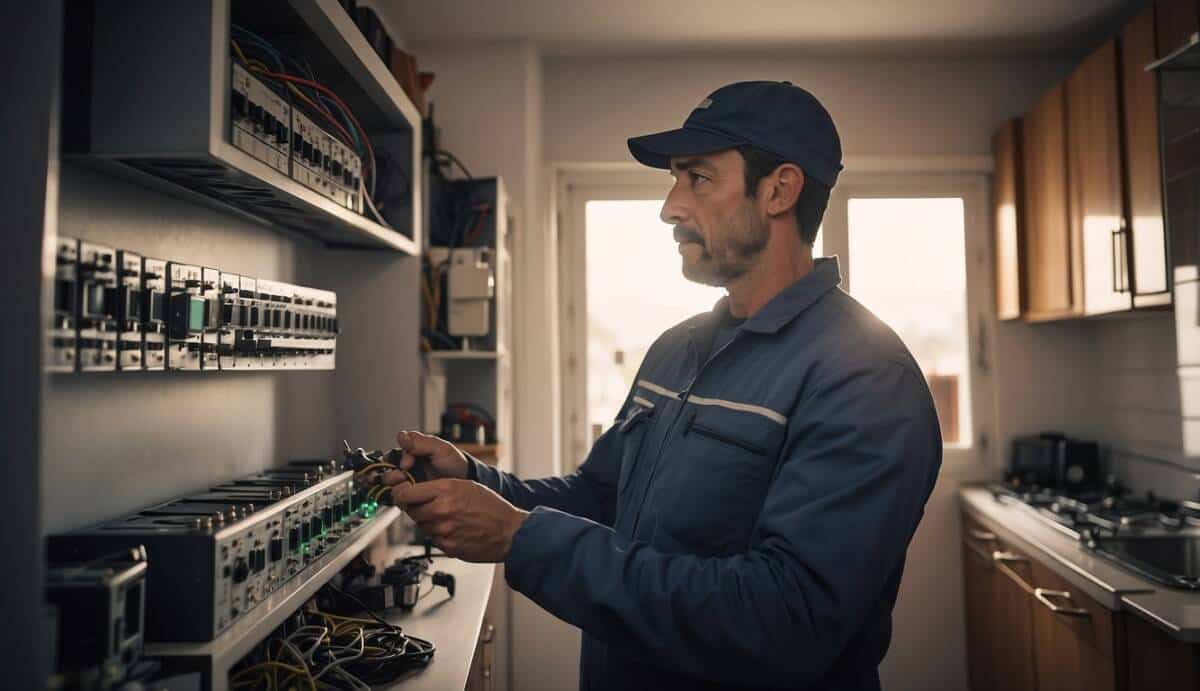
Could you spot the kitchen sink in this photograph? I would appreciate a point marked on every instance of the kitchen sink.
(1173, 560)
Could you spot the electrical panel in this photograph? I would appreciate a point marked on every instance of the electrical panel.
(100, 608)
(230, 547)
(185, 316)
(470, 286)
(297, 326)
(323, 163)
(60, 355)
(261, 120)
(129, 305)
(210, 334)
(154, 313)
(96, 315)
(114, 309)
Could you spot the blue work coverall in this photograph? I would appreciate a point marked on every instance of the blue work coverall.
(744, 522)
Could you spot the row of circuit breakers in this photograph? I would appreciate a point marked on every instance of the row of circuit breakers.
(269, 128)
(119, 311)
(215, 556)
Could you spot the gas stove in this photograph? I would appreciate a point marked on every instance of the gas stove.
(1154, 537)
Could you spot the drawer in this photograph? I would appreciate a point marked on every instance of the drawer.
(1088, 621)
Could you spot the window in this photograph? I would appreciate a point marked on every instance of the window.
(632, 296)
(905, 242)
(908, 259)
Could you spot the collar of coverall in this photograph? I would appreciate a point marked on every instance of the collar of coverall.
(791, 301)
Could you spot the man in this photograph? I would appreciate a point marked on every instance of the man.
(745, 520)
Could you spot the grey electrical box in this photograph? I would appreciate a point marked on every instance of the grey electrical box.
(471, 284)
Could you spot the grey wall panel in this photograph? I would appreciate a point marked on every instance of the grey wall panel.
(116, 442)
(377, 382)
(28, 188)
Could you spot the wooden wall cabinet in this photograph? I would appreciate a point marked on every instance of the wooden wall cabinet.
(1143, 163)
(1079, 178)
(1050, 265)
(1007, 222)
(1094, 194)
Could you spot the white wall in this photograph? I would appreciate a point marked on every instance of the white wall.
(488, 105)
(881, 107)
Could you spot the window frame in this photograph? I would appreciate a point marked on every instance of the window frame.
(576, 190)
(973, 189)
(576, 187)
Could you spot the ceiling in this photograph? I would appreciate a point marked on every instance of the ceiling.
(975, 28)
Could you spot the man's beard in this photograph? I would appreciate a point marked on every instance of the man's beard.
(730, 251)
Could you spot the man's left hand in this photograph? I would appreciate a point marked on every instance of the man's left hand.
(465, 519)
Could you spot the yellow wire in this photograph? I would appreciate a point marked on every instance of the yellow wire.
(373, 466)
(271, 664)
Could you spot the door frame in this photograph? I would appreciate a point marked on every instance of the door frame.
(963, 460)
(967, 177)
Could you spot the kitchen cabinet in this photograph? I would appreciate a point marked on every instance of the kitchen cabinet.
(1073, 637)
(1143, 163)
(482, 674)
(1000, 654)
(1007, 222)
(1094, 194)
(1156, 661)
(1052, 270)
(1176, 21)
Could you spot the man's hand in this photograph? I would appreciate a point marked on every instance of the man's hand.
(465, 519)
(443, 459)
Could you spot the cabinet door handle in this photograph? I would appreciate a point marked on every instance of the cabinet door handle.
(1043, 596)
(489, 634)
(982, 535)
(1002, 560)
(1120, 265)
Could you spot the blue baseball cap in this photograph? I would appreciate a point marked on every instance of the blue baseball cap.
(777, 117)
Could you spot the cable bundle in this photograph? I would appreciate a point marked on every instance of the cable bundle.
(319, 650)
(301, 82)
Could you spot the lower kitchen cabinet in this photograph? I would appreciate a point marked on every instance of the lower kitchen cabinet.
(1073, 637)
(999, 623)
(482, 675)
(1029, 629)
(1157, 661)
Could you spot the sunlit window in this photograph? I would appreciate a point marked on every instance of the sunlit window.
(635, 291)
(908, 266)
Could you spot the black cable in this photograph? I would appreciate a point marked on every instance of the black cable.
(453, 159)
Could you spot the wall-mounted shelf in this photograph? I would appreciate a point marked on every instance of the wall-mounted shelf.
(214, 658)
(151, 90)
(466, 354)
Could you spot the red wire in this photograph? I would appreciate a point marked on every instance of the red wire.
(325, 90)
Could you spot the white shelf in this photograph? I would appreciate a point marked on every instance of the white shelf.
(214, 658)
(160, 104)
(466, 354)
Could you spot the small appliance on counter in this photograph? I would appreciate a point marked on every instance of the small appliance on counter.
(1053, 460)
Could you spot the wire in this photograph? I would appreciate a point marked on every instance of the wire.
(327, 91)
(454, 159)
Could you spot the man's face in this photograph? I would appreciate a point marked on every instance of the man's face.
(720, 230)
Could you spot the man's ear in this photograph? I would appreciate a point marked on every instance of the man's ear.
(783, 192)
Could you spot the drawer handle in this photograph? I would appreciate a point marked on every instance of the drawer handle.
(1009, 558)
(1043, 596)
(489, 634)
(982, 535)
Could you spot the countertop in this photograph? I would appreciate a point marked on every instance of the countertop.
(451, 623)
(1175, 611)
